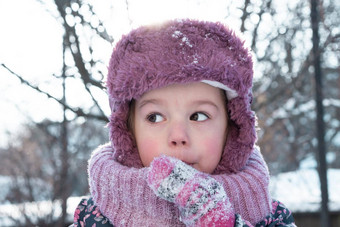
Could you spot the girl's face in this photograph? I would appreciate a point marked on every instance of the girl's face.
(188, 122)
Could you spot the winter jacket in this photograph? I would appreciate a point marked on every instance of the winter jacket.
(88, 214)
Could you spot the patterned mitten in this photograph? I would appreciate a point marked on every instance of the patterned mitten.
(201, 200)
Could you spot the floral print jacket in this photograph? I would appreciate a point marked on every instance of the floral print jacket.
(88, 214)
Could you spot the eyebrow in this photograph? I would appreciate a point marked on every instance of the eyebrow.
(149, 101)
(158, 102)
(206, 102)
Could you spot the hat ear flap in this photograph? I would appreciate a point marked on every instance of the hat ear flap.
(126, 153)
(241, 136)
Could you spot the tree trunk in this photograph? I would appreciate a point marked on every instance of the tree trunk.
(322, 165)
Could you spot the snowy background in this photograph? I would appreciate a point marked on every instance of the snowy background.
(31, 46)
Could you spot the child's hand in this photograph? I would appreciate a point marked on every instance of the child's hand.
(201, 200)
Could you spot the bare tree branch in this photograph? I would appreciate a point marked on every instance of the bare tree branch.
(78, 111)
(265, 6)
(71, 32)
(127, 9)
(244, 16)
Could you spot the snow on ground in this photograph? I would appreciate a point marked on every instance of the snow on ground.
(36, 210)
(300, 190)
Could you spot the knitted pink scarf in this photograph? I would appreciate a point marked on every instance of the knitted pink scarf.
(124, 197)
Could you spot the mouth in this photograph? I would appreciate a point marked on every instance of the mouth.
(189, 163)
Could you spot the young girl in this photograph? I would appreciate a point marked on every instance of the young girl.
(182, 133)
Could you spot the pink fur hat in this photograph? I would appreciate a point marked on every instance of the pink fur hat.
(183, 51)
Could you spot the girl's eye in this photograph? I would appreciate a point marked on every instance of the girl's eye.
(155, 118)
(198, 117)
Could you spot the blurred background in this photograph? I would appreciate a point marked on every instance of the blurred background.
(54, 108)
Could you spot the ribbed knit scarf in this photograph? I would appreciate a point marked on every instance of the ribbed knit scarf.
(124, 197)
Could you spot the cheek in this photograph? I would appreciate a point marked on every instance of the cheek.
(148, 149)
(214, 137)
(213, 146)
(210, 155)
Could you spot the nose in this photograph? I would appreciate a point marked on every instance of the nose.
(178, 135)
(178, 142)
